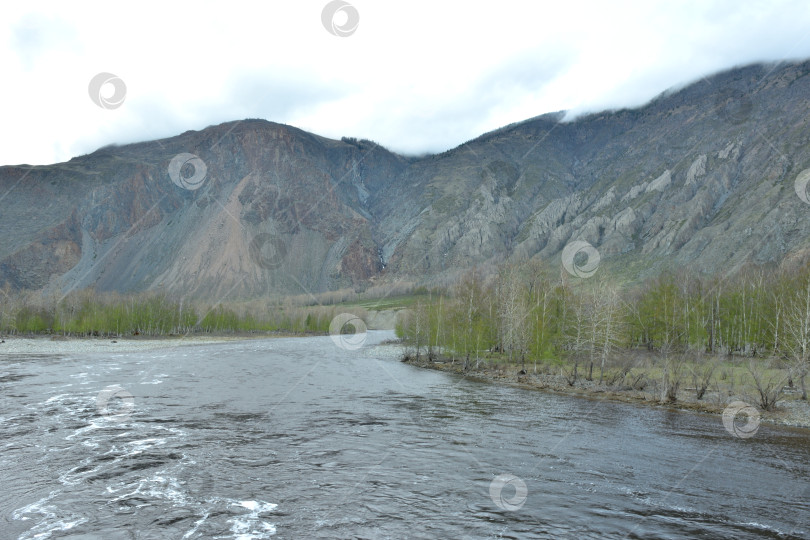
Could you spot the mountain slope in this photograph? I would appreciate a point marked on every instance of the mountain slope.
(702, 176)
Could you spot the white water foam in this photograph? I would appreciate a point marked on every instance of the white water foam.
(51, 522)
(251, 526)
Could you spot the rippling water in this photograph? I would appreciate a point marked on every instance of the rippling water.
(297, 438)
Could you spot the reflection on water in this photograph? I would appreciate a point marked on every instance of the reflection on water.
(296, 438)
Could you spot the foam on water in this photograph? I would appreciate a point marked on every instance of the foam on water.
(197, 524)
(767, 528)
(82, 430)
(252, 526)
(51, 519)
(154, 488)
(144, 444)
(58, 397)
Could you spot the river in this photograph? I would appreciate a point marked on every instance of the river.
(300, 438)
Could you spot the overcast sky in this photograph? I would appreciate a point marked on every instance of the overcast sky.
(416, 76)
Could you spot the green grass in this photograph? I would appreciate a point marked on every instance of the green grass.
(88, 314)
(387, 303)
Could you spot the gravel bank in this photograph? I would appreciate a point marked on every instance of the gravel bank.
(68, 345)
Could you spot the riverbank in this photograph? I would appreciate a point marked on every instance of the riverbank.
(790, 411)
(58, 344)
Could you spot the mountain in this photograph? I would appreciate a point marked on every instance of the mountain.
(703, 176)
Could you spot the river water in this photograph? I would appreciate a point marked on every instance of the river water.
(299, 438)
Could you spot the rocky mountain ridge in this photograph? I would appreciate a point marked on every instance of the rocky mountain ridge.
(703, 176)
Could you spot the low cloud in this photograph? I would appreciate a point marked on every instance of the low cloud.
(423, 79)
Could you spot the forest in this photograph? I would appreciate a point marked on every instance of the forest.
(91, 313)
(679, 331)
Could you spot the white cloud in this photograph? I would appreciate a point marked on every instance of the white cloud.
(416, 76)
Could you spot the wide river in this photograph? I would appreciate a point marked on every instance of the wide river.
(299, 438)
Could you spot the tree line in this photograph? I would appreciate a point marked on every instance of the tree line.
(89, 313)
(686, 322)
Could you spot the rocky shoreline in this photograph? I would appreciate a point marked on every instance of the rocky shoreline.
(789, 412)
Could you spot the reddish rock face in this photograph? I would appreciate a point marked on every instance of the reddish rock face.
(142, 230)
(360, 263)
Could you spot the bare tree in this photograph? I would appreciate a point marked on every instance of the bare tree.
(418, 324)
(468, 314)
(606, 323)
(577, 333)
(672, 373)
(797, 328)
(769, 382)
(702, 372)
(513, 314)
(542, 290)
